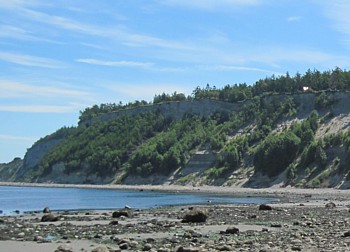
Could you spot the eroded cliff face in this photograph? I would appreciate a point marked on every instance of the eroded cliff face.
(58, 175)
(305, 102)
(174, 110)
(9, 171)
(35, 154)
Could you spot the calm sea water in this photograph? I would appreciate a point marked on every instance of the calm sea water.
(25, 199)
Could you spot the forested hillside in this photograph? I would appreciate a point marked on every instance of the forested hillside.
(291, 130)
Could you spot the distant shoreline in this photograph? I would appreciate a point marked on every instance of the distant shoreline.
(275, 191)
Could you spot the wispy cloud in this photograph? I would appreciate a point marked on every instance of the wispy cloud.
(146, 91)
(133, 64)
(28, 60)
(13, 32)
(210, 4)
(278, 56)
(294, 18)
(117, 33)
(41, 108)
(18, 138)
(122, 63)
(16, 3)
(241, 68)
(17, 89)
(338, 12)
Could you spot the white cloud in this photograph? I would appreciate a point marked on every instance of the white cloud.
(94, 46)
(71, 108)
(117, 33)
(338, 11)
(13, 32)
(278, 56)
(5, 4)
(241, 68)
(16, 89)
(294, 18)
(18, 138)
(146, 91)
(122, 63)
(267, 56)
(210, 4)
(28, 60)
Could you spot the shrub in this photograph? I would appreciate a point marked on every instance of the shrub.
(276, 152)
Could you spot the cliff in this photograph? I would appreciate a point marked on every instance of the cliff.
(202, 162)
(174, 110)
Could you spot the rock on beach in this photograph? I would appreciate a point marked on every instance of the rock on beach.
(196, 215)
(49, 218)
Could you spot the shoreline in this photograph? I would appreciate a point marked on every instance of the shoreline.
(306, 224)
(223, 190)
(300, 221)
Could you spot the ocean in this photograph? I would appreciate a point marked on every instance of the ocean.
(17, 200)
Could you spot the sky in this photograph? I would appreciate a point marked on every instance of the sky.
(59, 57)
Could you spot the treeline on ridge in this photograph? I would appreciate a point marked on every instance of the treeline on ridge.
(315, 80)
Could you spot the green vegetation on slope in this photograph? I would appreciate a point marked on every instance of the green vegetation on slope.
(149, 143)
(8, 171)
(106, 146)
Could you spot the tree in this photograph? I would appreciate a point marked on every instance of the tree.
(276, 152)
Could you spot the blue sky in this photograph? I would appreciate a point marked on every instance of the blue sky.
(59, 57)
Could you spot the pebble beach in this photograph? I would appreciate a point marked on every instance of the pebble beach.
(301, 220)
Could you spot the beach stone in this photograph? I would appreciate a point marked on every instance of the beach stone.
(264, 207)
(64, 248)
(49, 218)
(133, 244)
(114, 223)
(330, 205)
(195, 216)
(224, 248)
(182, 249)
(296, 248)
(124, 246)
(346, 234)
(38, 238)
(232, 230)
(46, 210)
(114, 249)
(98, 236)
(147, 247)
(120, 213)
(100, 249)
(163, 250)
(21, 235)
(276, 225)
